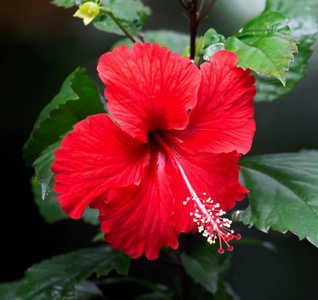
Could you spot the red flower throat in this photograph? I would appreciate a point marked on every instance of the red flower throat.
(178, 136)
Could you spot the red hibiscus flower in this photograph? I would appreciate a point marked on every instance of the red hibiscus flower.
(170, 166)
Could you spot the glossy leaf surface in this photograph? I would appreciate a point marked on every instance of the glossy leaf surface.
(65, 3)
(206, 267)
(303, 22)
(78, 98)
(175, 41)
(212, 42)
(58, 276)
(264, 45)
(51, 211)
(131, 14)
(283, 193)
(8, 290)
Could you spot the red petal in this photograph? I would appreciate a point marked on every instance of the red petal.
(215, 174)
(137, 218)
(148, 87)
(93, 158)
(222, 120)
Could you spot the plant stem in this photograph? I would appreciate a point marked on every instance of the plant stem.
(193, 27)
(201, 7)
(110, 13)
(183, 4)
(202, 15)
(141, 37)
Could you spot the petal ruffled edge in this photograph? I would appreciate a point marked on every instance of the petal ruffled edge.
(93, 158)
(222, 120)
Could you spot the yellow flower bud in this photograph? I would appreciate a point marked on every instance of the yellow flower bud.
(88, 12)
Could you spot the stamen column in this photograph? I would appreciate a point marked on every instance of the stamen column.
(207, 215)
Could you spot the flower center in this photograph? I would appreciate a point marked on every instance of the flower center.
(207, 214)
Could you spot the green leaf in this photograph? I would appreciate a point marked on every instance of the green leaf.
(90, 215)
(78, 98)
(8, 290)
(98, 237)
(57, 277)
(264, 45)
(173, 40)
(87, 290)
(51, 210)
(225, 292)
(304, 26)
(283, 193)
(43, 171)
(212, 42)
(65, 3)
(206, 267)
(131, 14)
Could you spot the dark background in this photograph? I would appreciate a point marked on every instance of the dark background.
(41, 45)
